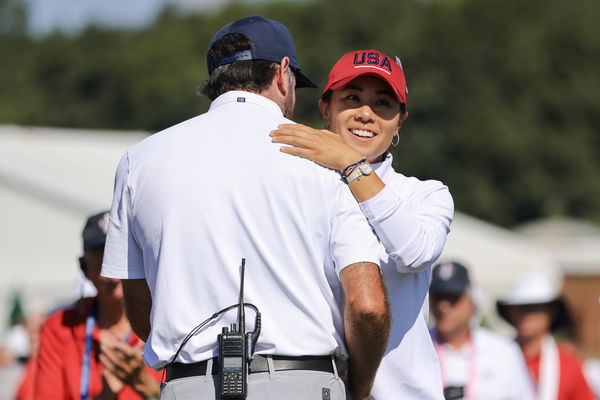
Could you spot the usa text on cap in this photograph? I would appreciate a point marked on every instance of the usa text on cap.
(368, 62)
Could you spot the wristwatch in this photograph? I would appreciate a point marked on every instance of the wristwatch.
(363, 168)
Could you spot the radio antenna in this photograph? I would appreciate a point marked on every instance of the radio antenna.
(241, 314)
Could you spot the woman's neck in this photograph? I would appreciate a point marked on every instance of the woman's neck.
(532, 346)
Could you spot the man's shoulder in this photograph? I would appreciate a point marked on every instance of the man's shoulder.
(169, 133)
(68, 317)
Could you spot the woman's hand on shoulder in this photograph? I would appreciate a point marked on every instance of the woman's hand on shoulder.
(319, 145)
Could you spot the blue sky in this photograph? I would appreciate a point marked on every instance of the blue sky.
(73, 15)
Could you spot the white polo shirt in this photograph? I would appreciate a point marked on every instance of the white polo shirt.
(192, 200)
(412, 219)
(489, 367)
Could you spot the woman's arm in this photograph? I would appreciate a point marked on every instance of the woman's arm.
(412, 230)
(411, 219)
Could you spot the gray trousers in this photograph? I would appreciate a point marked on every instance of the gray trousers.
(272, 385)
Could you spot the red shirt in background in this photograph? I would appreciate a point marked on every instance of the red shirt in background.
(572, 385)
(57, 372)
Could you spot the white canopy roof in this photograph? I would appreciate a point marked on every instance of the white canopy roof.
(50, 181)
(574, 243)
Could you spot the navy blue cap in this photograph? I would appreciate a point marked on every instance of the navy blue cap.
(271, 41)
(449, 277)
(94, 231)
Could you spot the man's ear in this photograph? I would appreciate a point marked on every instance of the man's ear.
(282, 75)
(82, 264)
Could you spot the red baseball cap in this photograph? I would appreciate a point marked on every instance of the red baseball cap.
(368, 62)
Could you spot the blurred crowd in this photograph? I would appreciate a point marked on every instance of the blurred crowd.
(87, 349)
(84, 350)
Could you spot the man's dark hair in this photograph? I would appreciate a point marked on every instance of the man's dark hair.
(250, 75)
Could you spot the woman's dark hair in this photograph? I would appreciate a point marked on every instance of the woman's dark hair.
(250, 75)
(326, 97)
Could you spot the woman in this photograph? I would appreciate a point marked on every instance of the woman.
(536, 310)
(364, 106)
(88, 351)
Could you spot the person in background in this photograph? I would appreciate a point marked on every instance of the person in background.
(11, 371)
(476, 362)
(88, 350)
(364, 106)
(535, 309)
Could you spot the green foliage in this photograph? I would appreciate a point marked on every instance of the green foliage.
(13, 17)
(503, 94)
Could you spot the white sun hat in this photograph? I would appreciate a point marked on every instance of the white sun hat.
(531, 288)
(534, 288)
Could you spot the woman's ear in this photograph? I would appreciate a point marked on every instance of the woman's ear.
(324, 108)
(402, 119)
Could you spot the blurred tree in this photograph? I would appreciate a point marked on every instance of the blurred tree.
(13, 17)
(503, 94)
(16, 315)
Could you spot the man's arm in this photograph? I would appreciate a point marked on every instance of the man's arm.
(138, 304)
(366, 324)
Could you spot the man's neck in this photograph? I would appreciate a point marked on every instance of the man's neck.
(111, 316)
(456, 339)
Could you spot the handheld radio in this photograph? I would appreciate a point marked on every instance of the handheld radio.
(233, 354)
(236, 347)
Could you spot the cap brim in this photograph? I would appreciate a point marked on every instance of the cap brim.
(93, 243)
(302, 81)
(453, 288)
(347, 79)
(561, 319)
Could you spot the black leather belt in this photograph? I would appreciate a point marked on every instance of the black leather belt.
(258, 364)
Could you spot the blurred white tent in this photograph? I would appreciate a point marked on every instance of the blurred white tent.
(50, 181)
(495, 257)
(575, 243)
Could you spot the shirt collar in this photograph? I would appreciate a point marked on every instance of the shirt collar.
(242, 97)
(384, 168)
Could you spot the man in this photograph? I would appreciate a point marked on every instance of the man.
(535, 308)
(476, 363)
(87, 350)
(192, 201)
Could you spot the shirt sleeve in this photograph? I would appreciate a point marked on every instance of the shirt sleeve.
(49, 377)
(123, 257)
(413, 231)
(352, 239)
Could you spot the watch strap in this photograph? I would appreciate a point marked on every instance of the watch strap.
(357, 172)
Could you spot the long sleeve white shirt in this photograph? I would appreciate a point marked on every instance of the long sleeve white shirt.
(412, 219)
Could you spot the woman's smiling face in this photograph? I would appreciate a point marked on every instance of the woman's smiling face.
(366, 114)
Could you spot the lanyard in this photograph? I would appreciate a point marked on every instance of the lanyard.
(472, 374)
(90, 322)
(549, 370)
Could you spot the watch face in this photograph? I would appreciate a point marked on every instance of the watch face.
(366, 169)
